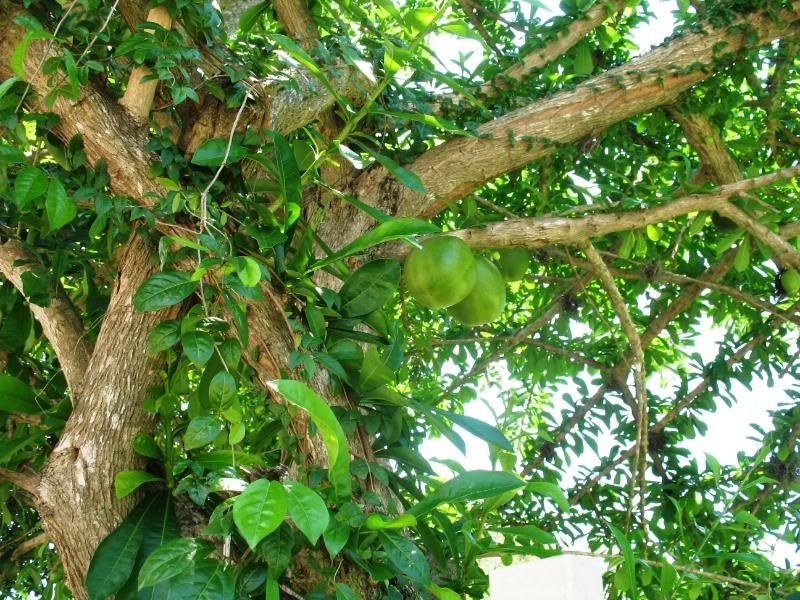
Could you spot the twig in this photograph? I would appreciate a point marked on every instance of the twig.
(618, 302)
(28, 545)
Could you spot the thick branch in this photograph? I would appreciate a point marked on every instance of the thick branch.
(60, 322)
(459, 166)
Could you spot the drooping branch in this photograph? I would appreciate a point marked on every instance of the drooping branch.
(60, 322)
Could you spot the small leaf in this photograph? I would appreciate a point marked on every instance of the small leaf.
(17, 396)
(163, 290)
(405, 557)
(370, 287)
(742, 260)
(307, 510)
(259, 510)
(222, 390)
(335, 537)
(198, 346)
(552, 491)
(59, 206)
(248, 271)
(30, 183)
(127, 481)
(406, 177)
(164, 336)
(478, 428)
(202, 431)
(345, 592)
(584, 65)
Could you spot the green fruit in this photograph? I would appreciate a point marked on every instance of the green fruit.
(486, 300)
(514, 263)
(440, 274)
(791, 282)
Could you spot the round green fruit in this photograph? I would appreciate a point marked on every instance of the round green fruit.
(486, 300)
(441, 273)
(514, 263)
(791, 282)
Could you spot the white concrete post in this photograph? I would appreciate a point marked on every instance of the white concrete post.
(564, 577)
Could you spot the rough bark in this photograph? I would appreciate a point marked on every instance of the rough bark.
(75, 499)
(60, 322)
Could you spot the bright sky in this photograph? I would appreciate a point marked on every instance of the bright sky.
(730, 430)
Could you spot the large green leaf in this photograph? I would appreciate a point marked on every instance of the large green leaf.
(222, 389)
(168, 561)
(385, 232)
(301, 395)
(472, 485)
(628, 558)
(286, 170)
(206, 579)
(405, 557)
(163, 290)
(202, 431)
(17, 396)
(212, 153)
(126, 482)
(478, 428)
(115, 556)
(163, 336)
(552, 491)
(259, 510)
(59, 206)
(30, 183)
(307, 510)
(198, 346)
(370, 287)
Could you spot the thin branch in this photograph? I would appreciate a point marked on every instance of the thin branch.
(476, 23)
(618, 302)
(536, 232)
(61, 324)
(24, 481)
(26, 546)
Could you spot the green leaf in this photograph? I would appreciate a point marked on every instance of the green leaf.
(259, 510)
(370, 287)
(202, 431)
(335, 537)
(431, 120)
(376, 522)
(164, 336)
(345, 592)
(307, 510)
(584, 65)
(168, 561)
(373, 372)
(211, 153)
(59, 206)
(385, 232)
(742, 260)
(478, 428)
(286, 170)
(297, 53)
(198, 346)
(472, 485)
(552, 491)
(163, 290)
(30, 183)
(222, 390)
(250, 17)
(7, 85)
(17, 396)
(628, 558)
(301, 395)
(403, 175)
(528, 532)
(145, 445)
(127, 481)
(405, 557)
(205, 580)
(248, 271)
(115, 556)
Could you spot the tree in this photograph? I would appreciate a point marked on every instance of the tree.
(215, 382)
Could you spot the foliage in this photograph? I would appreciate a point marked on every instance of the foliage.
(234, 227)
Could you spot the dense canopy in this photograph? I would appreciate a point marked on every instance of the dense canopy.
(216, 375)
